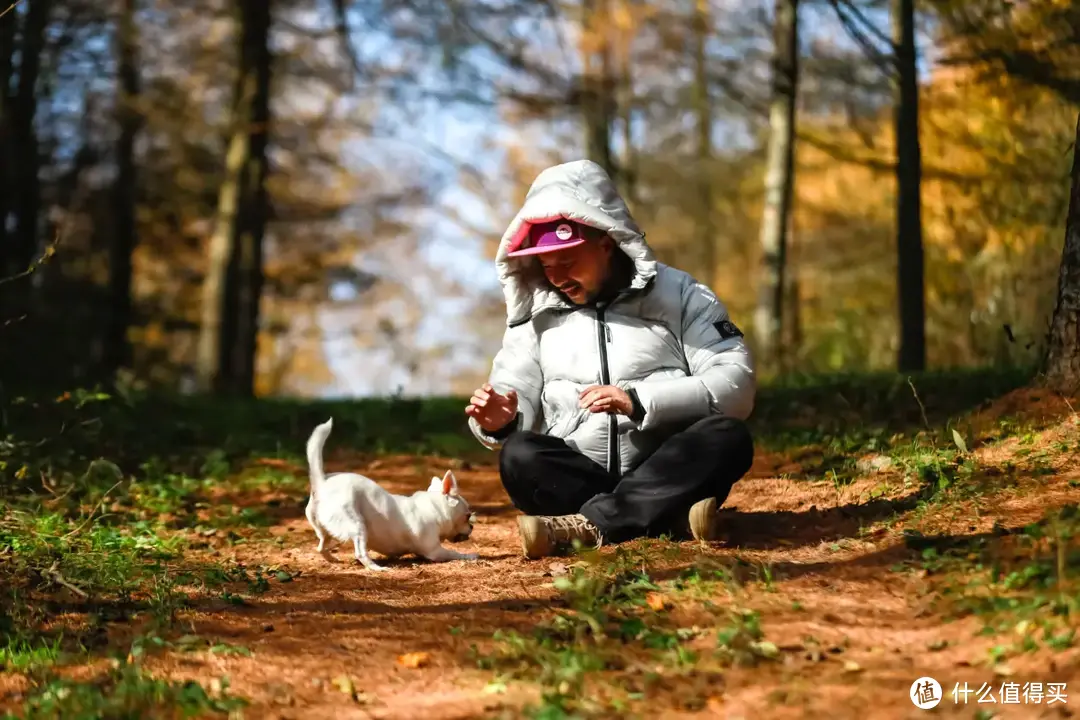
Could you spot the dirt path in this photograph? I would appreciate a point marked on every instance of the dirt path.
(341, 620)
(855, 632)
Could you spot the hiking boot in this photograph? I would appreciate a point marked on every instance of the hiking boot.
(544, 535)
(703, 520)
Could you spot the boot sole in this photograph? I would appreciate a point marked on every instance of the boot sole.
(531, 545)
(703, 520)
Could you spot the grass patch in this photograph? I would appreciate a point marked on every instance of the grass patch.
(828, 423)
(125, 690)
(623, 637)
(1023, 585)
(798, 410)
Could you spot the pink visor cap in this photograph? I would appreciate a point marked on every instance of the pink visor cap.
(551, 236)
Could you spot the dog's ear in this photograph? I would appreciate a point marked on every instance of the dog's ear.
(449, 483)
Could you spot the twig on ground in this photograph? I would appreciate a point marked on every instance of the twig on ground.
(55, 575)
(922, 409)
(96, 508)
(1069, 404)
(55, 498)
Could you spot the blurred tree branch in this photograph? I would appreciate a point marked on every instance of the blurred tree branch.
(1036, 42)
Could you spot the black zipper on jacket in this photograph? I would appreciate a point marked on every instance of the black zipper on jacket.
(603, 333)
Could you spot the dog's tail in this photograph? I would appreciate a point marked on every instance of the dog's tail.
(315, 451)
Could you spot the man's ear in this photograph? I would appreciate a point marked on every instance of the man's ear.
(449, 483)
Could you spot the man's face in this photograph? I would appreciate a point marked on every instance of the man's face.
(579, 272)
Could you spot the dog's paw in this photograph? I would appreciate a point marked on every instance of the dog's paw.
(470, 556)
(376, 568)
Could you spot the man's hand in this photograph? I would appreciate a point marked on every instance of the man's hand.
(492, 410)
(606, 398)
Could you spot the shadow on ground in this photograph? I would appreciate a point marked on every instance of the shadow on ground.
(770, 529)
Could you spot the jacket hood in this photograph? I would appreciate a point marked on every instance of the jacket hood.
(581, 191)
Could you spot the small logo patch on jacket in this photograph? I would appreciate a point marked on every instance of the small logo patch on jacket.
(727, 329)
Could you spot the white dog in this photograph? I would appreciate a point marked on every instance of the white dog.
(348, 506)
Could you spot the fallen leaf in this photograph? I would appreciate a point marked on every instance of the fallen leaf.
(766, 648)
(852, 666)
(189, 641)
(414, 659)
(655, 601)
(556, 569)
(345, 684)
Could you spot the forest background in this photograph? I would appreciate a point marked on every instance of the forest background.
(296, 198)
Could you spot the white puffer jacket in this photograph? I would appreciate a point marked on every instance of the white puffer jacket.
(666, 337)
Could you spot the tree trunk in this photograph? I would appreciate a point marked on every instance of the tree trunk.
(24, 145)
(597, 96)
(793, 330)
(779, 183)
(703, 112)
(793, 327)
(124, 238)
(249, 256)
(628, 169)
(909, 244)
(217, 331)
(233, 286)
(1062, 362)
(7, 51)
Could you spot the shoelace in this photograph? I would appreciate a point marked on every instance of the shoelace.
(573, 524)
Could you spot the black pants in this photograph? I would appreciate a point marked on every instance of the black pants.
(544, 476)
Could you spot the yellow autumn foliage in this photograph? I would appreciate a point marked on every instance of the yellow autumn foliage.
(995, 159)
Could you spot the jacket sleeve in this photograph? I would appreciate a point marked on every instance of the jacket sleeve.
(516, 367)
(721, 380)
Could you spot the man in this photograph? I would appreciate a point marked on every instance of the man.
(619, 394)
